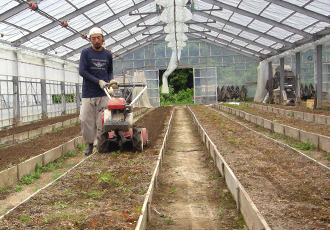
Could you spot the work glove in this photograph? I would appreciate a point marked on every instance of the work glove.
(102, 84)
(110, 90)
(114, 84)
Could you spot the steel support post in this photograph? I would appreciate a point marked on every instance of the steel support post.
(282, 79)
(78, 97)
(16, 103)
(270, 85)
(297, 79)
(319, 76)
(16, 99)
(63, 98)
(43, 99)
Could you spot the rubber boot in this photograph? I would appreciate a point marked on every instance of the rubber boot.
(89, 149)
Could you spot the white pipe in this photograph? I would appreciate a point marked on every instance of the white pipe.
(137, 97)
(106, 92)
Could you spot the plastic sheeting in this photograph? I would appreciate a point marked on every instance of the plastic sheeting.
(143, 101)
(175, 14)
(262, 80)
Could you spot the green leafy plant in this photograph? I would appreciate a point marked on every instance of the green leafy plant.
(29, 179)
(117, 153)
(129, 162)
(303, 145)
(25, 218)
(169, 222)
(234, 141)
(107, 178)
(81, 147)
(69, 193)
(70, 154)
(184, 96)
(126, 190)
(19, 188)
(221, 212)
(173, 190)
(60, 205)
(36, 188)
(138, 209)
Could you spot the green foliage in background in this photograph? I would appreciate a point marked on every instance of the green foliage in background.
(181, 98)
(57, 98)
(180, 86)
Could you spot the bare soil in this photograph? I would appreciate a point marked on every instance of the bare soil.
(36, 124)
(105, 192)
(290, 191)
(302, 107)
(14, 154)
(19, 152)
(291, 121)
(18, 192)
(322, 129)
(41, 123)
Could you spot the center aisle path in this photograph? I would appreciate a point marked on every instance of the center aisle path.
(190, 193)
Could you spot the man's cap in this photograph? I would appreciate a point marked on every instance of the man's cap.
(95, 30)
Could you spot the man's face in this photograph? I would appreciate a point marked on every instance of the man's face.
(96, 40)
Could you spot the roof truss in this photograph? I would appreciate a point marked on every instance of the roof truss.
(259, 28)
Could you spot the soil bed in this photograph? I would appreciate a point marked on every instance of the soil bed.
(14, 154)
(287, 120)
(36, 125)
(307, 148)
(105, 192)
(300, 108)
(42, 123)
(290, 191)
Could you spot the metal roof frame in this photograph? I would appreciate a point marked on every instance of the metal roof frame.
(271, 32)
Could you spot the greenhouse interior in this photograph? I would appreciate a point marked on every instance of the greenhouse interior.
(211, 53)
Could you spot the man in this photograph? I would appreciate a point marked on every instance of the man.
(95, 67)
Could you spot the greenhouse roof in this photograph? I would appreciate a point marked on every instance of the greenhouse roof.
(258, 28)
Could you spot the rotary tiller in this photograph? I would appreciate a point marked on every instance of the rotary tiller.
(117, 122)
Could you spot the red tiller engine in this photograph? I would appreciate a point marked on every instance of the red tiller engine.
(117, 124)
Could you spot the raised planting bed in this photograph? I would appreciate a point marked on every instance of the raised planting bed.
(33, 129)
(105, 191)
(299, 108)
(296, 129)
(290, 191)
(317, 116)
(35, 125)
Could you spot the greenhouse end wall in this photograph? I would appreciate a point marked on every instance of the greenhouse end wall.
(232, 68)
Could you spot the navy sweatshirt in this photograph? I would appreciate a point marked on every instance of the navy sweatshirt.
(94, 66)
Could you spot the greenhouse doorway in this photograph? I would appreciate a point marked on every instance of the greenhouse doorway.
(181, 87)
